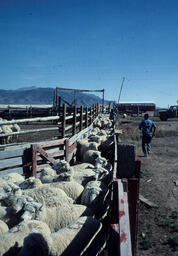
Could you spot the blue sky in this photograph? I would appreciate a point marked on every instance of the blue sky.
(92, 44)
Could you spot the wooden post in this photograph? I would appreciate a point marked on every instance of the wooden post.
(103, 102)
(67, 150)
(90, 115)
(34, 161)
(56, 98)
(59, 106)
(86, 117)
(63, 120)
(74, 120)
(81, 118)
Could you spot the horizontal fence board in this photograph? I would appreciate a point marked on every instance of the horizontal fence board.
(35, 119)
(51, 143)
(17, 170)
(68, 127)
(30, 131)
(79, 135)
(8, 163)
(11, 153)
(55, 154)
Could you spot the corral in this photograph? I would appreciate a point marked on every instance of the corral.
(153, 236)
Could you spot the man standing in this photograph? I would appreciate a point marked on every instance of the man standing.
(148, 129)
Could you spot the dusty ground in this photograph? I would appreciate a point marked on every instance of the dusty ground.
(157, 226)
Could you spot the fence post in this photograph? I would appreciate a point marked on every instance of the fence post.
(34, 161)
(63, 120)
(90, 115)
(74, 120)
(86, 117)
(81, 118)
(67, 150)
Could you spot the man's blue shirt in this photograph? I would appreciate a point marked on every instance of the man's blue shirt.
(146, 126)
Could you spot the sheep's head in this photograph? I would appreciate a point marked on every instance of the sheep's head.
(32, 211)
(21, 202)
(62, 167)
(10, 193)
(31, 182)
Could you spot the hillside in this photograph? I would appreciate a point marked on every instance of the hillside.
(36, 95)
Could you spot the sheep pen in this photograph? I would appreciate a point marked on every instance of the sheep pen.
(40, 198)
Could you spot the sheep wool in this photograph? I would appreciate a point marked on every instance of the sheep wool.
(76, 239)
(12, 241)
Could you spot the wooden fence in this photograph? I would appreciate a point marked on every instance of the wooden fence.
(28, 158)
(69, 121)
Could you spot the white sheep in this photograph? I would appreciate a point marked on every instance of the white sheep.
(95, 196)
(71, 188)
(47, 175)
(9, 193)
(11, 177)
(90, 156)
(64, 171)
(51, 196)
(55, 217)
(12, 241)
(30, 182)
(83, 173)
(84, 146)
(3, 227)
(86, 236)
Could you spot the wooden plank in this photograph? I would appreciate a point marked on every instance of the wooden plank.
(34, 160)
(74, 121)
(46, 155)
(36, 119)
(147, 202)
(79, 135)
(51, 143)
(11, 153)
(81, 118)
(23, 106)
(8, 163)
(17, 170)
(124, 223)
(68, 127)
(69, 117)
(30, 131)
(72, 147)
(115, 158)
(55, 154)
(63, 120)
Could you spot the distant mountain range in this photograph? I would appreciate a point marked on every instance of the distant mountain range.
(37, 95)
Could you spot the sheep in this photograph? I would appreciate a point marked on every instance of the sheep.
(9, 216)
(64, 171)
(90, 156)
(83, 173)
(3, 227)
(51, 196)
(95, 196)
(30, 182)
(47, 175)
(85, 237)
(84, 146)
(9, 193)
(55, 217)
(12, 241)
(11, 177)
(6, 130)
(71, 188)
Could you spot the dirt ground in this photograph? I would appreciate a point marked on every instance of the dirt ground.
(158, 226)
